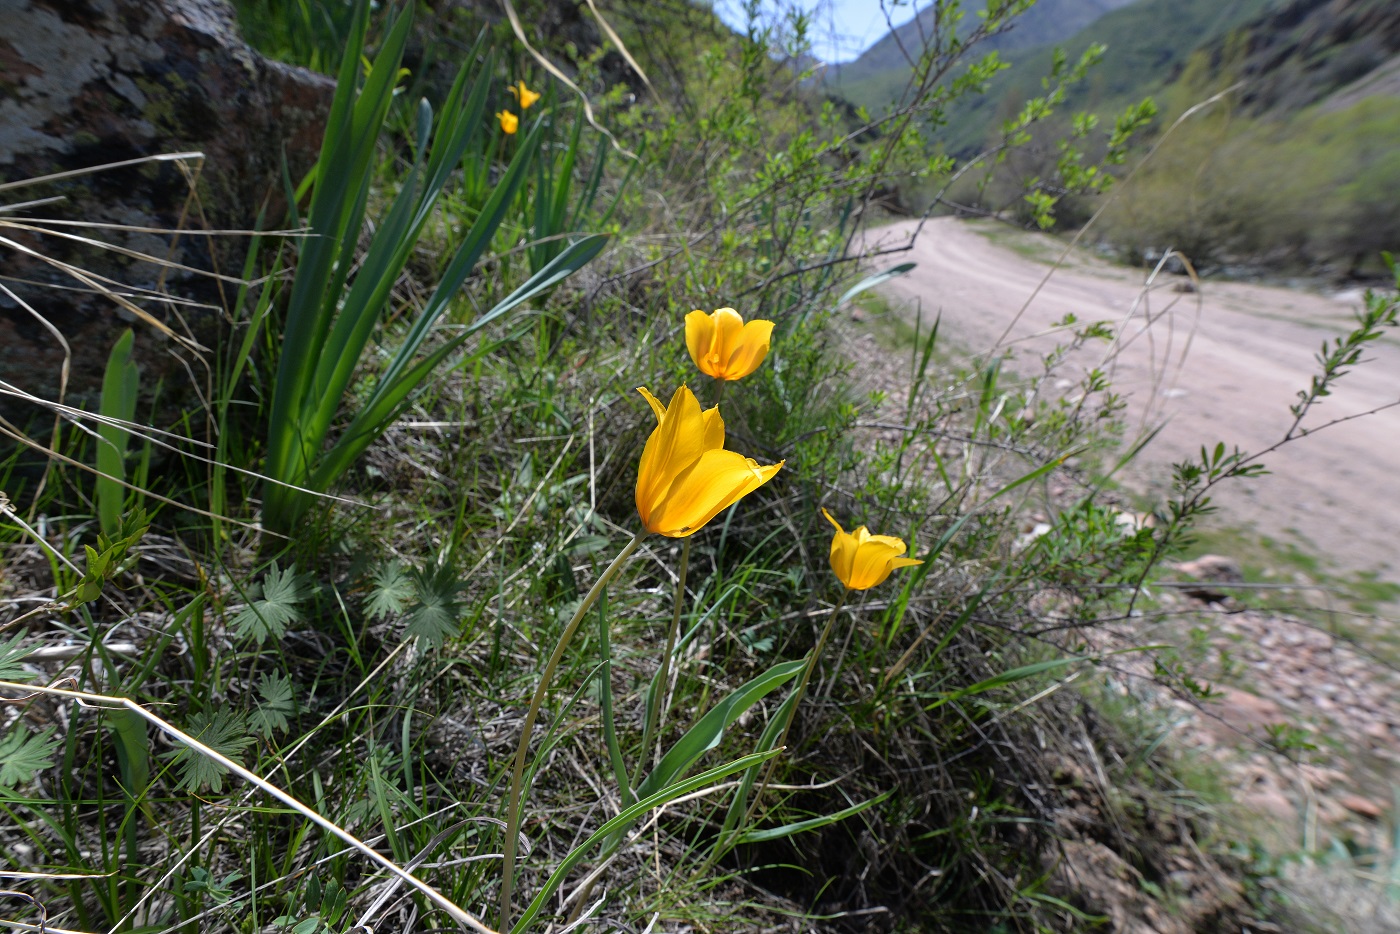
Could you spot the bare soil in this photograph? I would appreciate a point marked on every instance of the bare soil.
(1222, 363)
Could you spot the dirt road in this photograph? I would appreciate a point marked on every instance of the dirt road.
(1223, 364)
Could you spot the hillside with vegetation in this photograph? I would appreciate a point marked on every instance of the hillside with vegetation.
(876, 76)
(529, 536)
(1291, 167)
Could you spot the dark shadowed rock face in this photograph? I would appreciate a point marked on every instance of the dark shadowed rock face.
(84, 83)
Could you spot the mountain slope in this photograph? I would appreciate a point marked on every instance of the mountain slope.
(1148, 44)
(877, 75)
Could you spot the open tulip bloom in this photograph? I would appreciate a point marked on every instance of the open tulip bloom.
(686, 477)
(862, 560)
(524, 95)
(723, 346)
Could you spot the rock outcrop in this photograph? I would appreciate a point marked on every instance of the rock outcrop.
(88, 83)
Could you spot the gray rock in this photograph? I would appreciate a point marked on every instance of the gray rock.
(85, 83)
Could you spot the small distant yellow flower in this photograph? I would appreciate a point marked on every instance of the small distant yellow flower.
(723, 346)
(509, 122)
(686, 477)
(862, 560)
(523, 94)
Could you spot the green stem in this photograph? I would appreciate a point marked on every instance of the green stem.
(518, 772)
(660, 699)
(801, 690)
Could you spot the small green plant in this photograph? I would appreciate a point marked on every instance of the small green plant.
(119, 386)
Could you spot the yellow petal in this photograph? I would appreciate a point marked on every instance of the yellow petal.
(875, 562)
(509, 122)
(714, 429)
(675, 445)
(843, 556)
(717, 481)
(727, 328)
(833, 521)
(751, 348)
(654, 402)
(699, 334)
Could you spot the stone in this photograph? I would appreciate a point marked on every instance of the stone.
(1216, 569)
(1364, 807)
(86, 83)
(1235, 710)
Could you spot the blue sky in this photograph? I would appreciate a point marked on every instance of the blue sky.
(842, 29)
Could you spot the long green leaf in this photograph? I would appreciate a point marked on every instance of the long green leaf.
(336, 213)
(625, 819)
(709, 729)
(871, 281)
(391, 397)
(465, 259)
(372, 420)
(393, 243)
(739, 806)
(578, 255)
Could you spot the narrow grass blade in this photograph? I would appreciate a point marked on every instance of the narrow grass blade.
(816, 823)
(1005, 678)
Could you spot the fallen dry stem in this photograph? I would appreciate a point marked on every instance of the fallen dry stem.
(102, 701)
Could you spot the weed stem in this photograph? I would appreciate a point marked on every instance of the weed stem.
(801, 690)
(661, 701)
(518, 772)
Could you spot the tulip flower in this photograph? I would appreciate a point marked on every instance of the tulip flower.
(723, 346)
(509, 122)
(862, 560)
(524, 95)
(686, 476)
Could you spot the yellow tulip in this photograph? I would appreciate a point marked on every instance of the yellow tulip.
(862, 560)
(523, 94)
(723, 346)
(509, 122)
(686, 477)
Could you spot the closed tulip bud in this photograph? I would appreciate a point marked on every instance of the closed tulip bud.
(723, 346)
(686, 477)
(862, 560)
(509, 122)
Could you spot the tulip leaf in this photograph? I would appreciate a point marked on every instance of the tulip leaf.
(709, 729)
(625, 819)
(871, 281)
(738, 807)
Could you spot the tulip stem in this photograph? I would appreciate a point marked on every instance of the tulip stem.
(801, 690)
(518, 773)
(660, 701)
